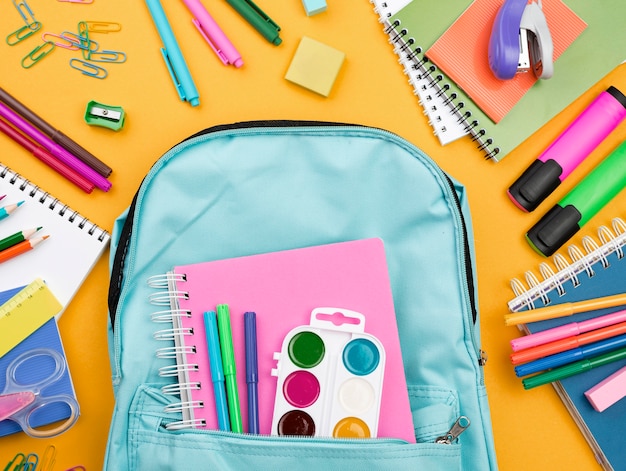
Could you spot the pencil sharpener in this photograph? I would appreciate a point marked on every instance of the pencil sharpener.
(106, 116)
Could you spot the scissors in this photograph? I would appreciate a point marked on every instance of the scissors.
(19, 401)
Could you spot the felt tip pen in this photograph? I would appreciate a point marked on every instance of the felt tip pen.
(570, 356)
(567, 330)
(252, 371)
(572, 369)
(230, 369)
(217, 370)
(174, 60)
(213, 34)
(258, 19)
(566, 218)
(6, 211)
(569, 149)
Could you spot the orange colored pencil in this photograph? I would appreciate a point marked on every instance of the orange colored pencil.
(21, 248)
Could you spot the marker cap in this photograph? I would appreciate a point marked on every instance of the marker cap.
(554, 229)
(535, 184)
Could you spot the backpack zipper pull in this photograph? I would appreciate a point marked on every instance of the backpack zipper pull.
(457, 429)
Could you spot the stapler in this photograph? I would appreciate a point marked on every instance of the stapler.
(520, 41)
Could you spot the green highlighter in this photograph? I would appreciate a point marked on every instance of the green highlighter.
(566, 218)
(230, 368)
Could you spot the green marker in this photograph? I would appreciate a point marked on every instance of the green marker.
(230, 369)
(16, 238)
(258, 19)
(566, 218)
(573, 369)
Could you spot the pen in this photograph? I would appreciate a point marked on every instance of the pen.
(570, 356)
(258, 19)
(217, 371)
(55, 149)
(173, 56)
(252, 371)
(566, 218)
(56, 135)
(568, 343)
(567, 330)
(21, 248)
(213, 34)
(565, 309)
(573, 369)
(47, 158)
(230, 369)
(6, 211)
(16, 238)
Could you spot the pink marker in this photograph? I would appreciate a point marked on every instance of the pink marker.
(608, 392)
(574, 144)
(213, 34)
(567, 330)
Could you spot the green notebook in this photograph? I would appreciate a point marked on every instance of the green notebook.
(592, 55)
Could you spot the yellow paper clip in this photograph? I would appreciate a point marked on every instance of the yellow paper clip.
(64, 43)
(103, 26)
(37, 54)
(23, 33)
(88, 69)
(49, 458)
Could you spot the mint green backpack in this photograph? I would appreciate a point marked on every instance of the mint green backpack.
(259, 187)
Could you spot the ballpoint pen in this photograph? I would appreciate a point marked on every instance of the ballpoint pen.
(55, 149)
(173, 56)
(230, 369)
(56, 135)
(213, 34)
(258, 19)
(217, 370)
(47, 158)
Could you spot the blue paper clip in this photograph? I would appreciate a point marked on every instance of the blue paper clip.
(25, 12)
(32, 459)
(88, 69)
(37, 54)
(108, 56)
(23, 33)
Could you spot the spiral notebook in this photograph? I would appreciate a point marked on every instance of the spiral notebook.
(414, 27)
(597, 269)
(63, 260)
(282, 288)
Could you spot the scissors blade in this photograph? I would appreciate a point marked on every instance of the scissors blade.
(13, 403)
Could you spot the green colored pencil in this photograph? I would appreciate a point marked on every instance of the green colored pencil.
(16, 238)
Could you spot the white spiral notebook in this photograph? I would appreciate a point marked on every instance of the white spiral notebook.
(66, 257)
(596, 270)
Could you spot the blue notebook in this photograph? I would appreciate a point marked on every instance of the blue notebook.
(597, 272)
(46, 336)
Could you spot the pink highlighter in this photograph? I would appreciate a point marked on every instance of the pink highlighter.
(568, 150)
(607, 392)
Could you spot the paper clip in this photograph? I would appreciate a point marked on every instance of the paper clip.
(77, 1)
(49, 458)
(76, 40)
(88, 69)
(67, 45)
(14, 464)
(30, 465)
(80, 467)
(107, 56)
(37, 54)
(25, 12)
(23, 33)
(103, 26)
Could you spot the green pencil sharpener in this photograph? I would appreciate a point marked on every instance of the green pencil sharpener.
(98, 114)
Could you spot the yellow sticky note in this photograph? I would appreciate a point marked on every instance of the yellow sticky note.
(315, 66)
(25, 312)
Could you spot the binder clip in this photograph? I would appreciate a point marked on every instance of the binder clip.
(520, 41)
(98, 114)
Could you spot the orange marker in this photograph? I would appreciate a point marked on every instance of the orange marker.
(21, 248)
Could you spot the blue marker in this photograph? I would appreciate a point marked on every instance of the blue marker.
(173, 56)
(252, 371)
(570, 356)
(217, 370)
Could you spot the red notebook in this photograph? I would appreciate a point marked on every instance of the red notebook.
(283, 288)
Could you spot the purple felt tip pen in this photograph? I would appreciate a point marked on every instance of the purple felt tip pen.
(252, 372)
(574, 144)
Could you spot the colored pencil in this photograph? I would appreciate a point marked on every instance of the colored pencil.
(16, 238)
(21, 248)
(8, 209)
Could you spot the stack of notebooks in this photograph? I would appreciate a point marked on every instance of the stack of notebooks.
(425, 32)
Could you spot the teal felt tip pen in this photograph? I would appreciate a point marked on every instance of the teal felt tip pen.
(590, 195)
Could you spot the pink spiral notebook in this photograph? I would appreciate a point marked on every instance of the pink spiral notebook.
(283, 288)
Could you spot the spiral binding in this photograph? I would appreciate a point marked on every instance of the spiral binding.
(585, 260)
(446, 113)
(38, 194)
(168, 295)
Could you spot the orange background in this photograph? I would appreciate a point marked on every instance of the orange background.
(532, 428)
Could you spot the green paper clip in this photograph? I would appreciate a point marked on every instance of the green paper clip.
(98, 114)
(23, 33)
(37, 54)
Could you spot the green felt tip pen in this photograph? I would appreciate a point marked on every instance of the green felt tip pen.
(258, 19)
(230, 369)
(566, 218)
(572, 369)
